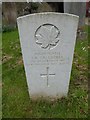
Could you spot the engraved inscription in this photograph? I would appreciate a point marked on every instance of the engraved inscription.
(47, 36)
(47, 75)
(48, 58)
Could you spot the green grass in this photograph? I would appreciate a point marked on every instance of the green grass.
(16, 101)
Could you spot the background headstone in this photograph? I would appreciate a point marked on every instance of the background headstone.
(9, 14)
(77, 8)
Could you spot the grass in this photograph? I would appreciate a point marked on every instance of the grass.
(16, 101)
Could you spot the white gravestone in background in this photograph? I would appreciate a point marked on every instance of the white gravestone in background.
(47, 42)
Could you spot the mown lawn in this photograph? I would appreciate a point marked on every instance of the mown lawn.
(16, 101)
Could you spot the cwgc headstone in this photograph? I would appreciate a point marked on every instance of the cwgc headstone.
(47, 42)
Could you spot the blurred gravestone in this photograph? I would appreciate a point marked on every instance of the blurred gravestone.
(9, 15)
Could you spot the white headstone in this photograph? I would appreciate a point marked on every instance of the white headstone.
(47, 42)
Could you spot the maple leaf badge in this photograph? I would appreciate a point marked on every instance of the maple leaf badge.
(47, 36)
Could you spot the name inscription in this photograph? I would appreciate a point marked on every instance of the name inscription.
(48, 58)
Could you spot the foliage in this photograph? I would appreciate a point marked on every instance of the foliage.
(8, 28)
(34, 6)
(16, 101)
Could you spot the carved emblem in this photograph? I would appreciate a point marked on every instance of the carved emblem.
(47, 36)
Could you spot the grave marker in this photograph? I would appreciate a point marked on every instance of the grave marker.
(47, 42)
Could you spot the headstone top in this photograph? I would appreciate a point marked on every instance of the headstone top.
(48, 13)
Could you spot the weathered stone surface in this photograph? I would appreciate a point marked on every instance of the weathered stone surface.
(47, 42)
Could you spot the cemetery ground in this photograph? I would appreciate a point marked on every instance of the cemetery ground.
(16, 101)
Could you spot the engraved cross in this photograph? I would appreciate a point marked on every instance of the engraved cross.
(47, 75)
